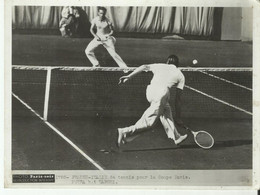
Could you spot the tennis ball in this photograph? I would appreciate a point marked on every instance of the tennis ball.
(195, 61)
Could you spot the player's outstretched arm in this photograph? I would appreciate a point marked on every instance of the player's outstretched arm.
(142, 68)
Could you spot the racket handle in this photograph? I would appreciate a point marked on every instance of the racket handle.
(188, 129)
(194, 133)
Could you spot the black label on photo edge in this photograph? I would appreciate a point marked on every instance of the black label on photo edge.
(33, 178)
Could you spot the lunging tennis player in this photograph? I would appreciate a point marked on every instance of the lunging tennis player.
(165, 76)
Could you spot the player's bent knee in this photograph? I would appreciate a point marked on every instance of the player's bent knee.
(88, 52)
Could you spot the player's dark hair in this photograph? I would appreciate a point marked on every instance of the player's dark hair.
(102, 8)
(173, 59)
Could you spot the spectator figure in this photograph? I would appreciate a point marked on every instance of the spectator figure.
(69, 21)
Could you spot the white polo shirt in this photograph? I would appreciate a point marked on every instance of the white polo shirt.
(102, 26)
(166, 75)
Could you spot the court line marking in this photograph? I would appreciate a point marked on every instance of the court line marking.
(225, 80)
(47, 94)
(60, 134)
(219, 100)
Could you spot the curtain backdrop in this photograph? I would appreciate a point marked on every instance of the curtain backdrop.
(176, 20)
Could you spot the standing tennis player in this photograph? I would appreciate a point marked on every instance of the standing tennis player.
(165, 76)
(103, 36)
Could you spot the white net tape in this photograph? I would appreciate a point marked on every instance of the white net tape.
(79, 68)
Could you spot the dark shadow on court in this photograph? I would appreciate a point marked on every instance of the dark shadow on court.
(217, 145)
(187, 146)
(231, 143)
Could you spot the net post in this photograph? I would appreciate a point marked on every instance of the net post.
(47, 94)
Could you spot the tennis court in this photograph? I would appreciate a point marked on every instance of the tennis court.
(86, 106)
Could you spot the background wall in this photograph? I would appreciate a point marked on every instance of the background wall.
(247, 24)
(228, 23)
(237, 24)
(231, 24)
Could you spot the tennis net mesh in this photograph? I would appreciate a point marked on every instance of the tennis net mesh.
(55, 92)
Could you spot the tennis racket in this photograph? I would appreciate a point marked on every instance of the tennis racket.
(202, 138)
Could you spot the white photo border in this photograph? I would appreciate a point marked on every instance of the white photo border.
(220, 3)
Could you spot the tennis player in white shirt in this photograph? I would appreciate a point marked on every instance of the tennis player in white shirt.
(103, 36)
(165, 76)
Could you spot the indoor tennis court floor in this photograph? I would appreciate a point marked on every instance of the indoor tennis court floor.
(78, 145)
(38, 147)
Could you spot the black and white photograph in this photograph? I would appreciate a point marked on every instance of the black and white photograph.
(138, 96)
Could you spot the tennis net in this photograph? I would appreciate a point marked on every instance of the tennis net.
(55, 92)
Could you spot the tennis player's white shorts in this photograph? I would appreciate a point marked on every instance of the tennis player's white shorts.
(157, 93)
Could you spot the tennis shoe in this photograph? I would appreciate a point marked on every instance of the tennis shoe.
(181, 139)
(130, 138)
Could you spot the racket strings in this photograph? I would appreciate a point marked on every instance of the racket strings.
(204, 140)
